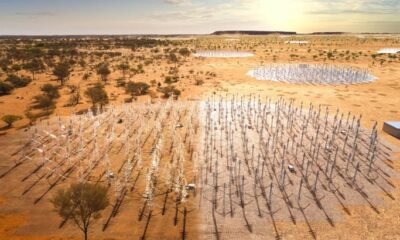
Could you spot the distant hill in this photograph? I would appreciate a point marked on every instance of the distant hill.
(327, 33)
(252, 32)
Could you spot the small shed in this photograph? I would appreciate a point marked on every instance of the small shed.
(392, 128)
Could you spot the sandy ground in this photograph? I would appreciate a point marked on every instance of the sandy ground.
(330, 204)
(377, 101)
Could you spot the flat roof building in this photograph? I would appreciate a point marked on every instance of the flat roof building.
(392, 128)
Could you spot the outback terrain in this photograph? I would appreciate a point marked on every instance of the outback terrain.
(148, 118)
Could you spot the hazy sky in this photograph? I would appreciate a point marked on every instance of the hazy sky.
(196, 16)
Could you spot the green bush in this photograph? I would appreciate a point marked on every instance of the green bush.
(199, 82)
(44, 101)
(86, 76)
(184, 52)
(97, 95)
(170, 91)
(137, 88)
(17, 81)
(103, 70)
(50, 90)
(5, 88)
(10, 119)
(171, 79)
(121, 82)
(62, 71)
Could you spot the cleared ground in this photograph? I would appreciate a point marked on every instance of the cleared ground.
(377, 101)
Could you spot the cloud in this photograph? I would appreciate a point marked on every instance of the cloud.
(176, 2)
(202, 16)
(35, 14)
(362, 7)
(225, 11)
(350, 11)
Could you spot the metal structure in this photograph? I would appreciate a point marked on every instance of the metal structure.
(248, 158)
(223, 54)
(312, 74)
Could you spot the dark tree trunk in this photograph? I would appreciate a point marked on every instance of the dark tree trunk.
(86, 234)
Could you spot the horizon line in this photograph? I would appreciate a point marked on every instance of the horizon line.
(194, 34)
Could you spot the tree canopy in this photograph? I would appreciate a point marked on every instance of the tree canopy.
(184, 52)
(170, 91)
(34, 66)
(50, 90)
(5, 88)
(137, 88)
(103, 70)
(62, 71)
(10, 119)
(81, 202)
(17, 81)
(97, 95)
(123, 67)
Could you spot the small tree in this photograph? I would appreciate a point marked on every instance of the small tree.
(172, 57)
(16, 67)
(103, 70)
(199, 82)
(81, 202)
(34, 66)
(10, 119)
(86, 76)
(124, 67)
(75, 95)
(137, 88)
(5, 88)
(50, 90)
(29, 115)
(97, 95)
(171, 79)
(44, 101)
(184, 52)
(62, 71)
(170, 91)
(5, 62)
(17, 81)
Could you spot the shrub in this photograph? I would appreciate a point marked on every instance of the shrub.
(170, 91)
(97, 95)
(16, 67)
(73, 99)
(4, 63)
(184, 52)
(10, 119)
(137, 88)
(172, 57)
(153, 82)
(121, 82)
(50, 90)
(5, 88)
(171, 79)
(17, 81)
(44, 101)
(86, 76)
(124, 67)
(34, 66)
(199, 82)
(62, 70)
(103, 70)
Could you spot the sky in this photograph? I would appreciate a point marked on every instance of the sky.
(60, 17)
